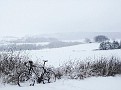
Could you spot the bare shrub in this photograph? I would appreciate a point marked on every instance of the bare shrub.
(11, 63)
(81, 70)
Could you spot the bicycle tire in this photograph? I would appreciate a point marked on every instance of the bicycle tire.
(49, 77)
(25, 79)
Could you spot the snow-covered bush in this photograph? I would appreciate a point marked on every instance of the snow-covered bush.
(11, 64)
(105, 45)
(120, 45)
(81, 70)
(115, 45)
(108, 45)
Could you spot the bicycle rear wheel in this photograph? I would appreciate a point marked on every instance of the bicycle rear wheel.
(25, 79)
(52, 77)
(49, 77)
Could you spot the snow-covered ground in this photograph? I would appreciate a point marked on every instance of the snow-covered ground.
(83, 52)
(57, 56)
(100, 83)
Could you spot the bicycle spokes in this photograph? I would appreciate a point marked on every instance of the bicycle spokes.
(25, 79)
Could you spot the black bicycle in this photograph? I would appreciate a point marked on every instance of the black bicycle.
(39, 74)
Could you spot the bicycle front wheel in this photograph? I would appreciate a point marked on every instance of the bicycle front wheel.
(25, 79)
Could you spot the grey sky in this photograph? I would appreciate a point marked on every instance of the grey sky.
(23, 17)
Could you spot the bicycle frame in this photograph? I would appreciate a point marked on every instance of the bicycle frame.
(31, 69)
(45, 76)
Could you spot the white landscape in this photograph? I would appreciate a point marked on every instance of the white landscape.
(79, 40)
(82, 52)
(58, 56)
(99, 83)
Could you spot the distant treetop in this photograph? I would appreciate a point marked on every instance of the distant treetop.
(100, 38)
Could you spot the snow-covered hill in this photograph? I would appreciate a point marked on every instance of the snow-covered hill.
(83, 52)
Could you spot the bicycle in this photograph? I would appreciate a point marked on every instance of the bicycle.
(30, 76)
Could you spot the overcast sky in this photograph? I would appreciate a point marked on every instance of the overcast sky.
(27, 17)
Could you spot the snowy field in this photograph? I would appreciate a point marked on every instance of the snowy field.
(83, 52)
(100, 83)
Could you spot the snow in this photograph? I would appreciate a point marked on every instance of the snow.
(57, 56)
(83, 52)
(95, 83)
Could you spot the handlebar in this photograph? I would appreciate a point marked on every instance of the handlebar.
(32, 65)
